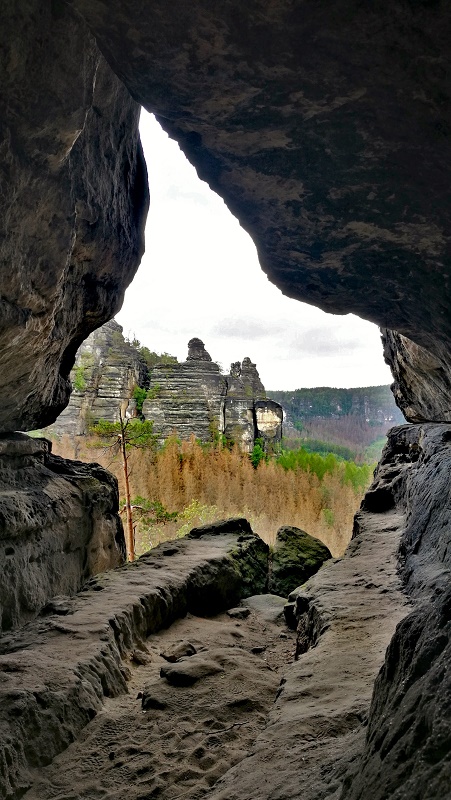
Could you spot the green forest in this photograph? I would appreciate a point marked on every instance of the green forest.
(351, 423)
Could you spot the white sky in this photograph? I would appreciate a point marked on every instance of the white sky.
(200, 276)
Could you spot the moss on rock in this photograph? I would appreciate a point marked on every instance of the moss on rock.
(296, 557)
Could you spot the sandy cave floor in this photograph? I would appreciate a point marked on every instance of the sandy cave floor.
(180, 749)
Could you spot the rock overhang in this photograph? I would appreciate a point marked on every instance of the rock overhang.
(326, 134)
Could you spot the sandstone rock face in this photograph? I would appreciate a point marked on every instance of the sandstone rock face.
(197, 351)
(407, 752)
(190, 396)
(107, 370)
(269, 420)
(346, 739)
(58, 526)
(195, 398)
(296, 557)
(74, 200)
(243, 387)
(57, 672)
(422, 386)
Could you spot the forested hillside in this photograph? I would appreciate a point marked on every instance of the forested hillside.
(372, 404)
(352, 423)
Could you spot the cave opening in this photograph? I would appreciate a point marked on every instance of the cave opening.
(200, 276)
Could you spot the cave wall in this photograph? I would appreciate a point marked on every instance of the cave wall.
(422, 381)
(59, 525)
(407, 748)
(326, 128)
(74, 200)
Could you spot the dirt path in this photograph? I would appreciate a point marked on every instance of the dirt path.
(188, 736)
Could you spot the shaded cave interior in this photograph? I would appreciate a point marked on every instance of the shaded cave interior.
(335, 157)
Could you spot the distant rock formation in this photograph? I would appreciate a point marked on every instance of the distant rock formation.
(107, 369)
(195, 398)
(191, 398)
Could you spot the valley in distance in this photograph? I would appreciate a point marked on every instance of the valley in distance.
(220, 446)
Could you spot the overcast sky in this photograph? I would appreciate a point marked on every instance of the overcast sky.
(200, 276)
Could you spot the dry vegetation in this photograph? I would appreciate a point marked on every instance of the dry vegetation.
(187, 484)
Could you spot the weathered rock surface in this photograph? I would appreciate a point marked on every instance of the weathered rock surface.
(407, 753)
(269, 607)
(318, 722)
(422, 386)
(170, 741)
(67, 666)
(269, 422)
(357, 721)
(333, 154)
(295, 558)
(187, 672)
(190, 396)
(194, 398)
(74, 200)
(253, 570)
(107, 370)
(243, 386)
(59, 525)
(326, 129)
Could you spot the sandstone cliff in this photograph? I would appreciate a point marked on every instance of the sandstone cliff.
(58, 526)
(191, 398)
(195, 398)
(107, 370)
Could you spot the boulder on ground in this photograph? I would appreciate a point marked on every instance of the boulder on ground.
(296, 557)
(186, 672)
(178, 651)
(269, 607)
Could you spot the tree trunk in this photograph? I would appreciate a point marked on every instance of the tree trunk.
(129, 533)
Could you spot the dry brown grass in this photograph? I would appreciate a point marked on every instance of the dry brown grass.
(204, 484)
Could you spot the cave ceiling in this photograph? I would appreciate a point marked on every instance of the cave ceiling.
(326, 126)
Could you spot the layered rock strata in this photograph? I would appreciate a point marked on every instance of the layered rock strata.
(194, 398)
(74, 655)
(239, 420)
(107, 370)
(58, 526)
(422, 385)
(189, 397)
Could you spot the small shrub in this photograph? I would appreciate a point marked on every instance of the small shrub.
(79, 380)
(258, 454)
